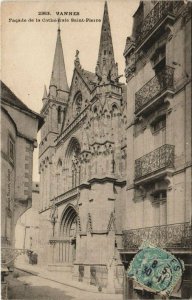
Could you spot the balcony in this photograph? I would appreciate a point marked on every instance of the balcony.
(155, 22)
(154, 91)
(172, 236)
(8, 255)
(154, 163)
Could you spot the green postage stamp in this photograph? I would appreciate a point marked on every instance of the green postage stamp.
(156, 270)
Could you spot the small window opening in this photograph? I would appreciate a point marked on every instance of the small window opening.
(59, 115)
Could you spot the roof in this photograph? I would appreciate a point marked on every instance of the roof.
(8, 96)
(88, 77)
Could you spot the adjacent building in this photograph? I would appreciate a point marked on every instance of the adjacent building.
(27, 228)
(82, 165)
(19, 126)
(159, 148)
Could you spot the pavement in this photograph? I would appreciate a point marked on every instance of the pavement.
(24, 286)
(63, 278)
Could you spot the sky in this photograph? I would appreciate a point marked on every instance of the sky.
(28, 47)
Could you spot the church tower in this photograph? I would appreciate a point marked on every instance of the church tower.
(108, 107)
(83, 166)
(106, 69)
(103, 171)
(53, 111)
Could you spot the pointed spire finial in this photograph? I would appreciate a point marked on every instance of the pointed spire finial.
(59, 77)
(59, 29)
(77, 60)
(106, 61)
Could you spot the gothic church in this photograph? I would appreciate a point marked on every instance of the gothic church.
(82, 165)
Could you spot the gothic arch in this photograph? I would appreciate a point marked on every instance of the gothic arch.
(59, 163)
(73, 144)
(95, 111)
(68, 229)
(114, 109)
(68, 222)
(77, 103)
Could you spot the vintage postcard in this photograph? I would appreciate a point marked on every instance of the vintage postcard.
(96, 149)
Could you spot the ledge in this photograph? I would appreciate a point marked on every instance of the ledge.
(102, 180)
(154, 176)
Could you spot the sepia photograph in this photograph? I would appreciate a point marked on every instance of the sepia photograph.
(96, 149)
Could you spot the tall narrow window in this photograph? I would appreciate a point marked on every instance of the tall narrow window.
(59, 115)
(160, 124)
(114, 110)
(159, 131)
(58, 174)
(159, 59)
(78, 103)
(11, 149)
(73, 163)
(160, 202)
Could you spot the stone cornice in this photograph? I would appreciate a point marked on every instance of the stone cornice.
(83, 233)
(121, 183)
(97, 143)
(84, 186)
(102, 180)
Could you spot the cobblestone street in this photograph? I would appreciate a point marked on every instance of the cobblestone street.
(23, 285)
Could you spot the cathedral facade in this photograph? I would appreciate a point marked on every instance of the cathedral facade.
(82, 165)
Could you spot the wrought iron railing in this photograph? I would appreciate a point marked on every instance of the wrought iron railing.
(160, 158)
(161, 10)
(154, 87)
(5, 242)
(166, 236)
(8, 255)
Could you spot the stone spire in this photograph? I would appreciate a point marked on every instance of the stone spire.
(58, 76)
(106, 68)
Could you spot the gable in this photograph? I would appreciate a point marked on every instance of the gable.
(79, 97)
(78, 83)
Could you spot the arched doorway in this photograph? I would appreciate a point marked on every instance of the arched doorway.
(67, 251)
